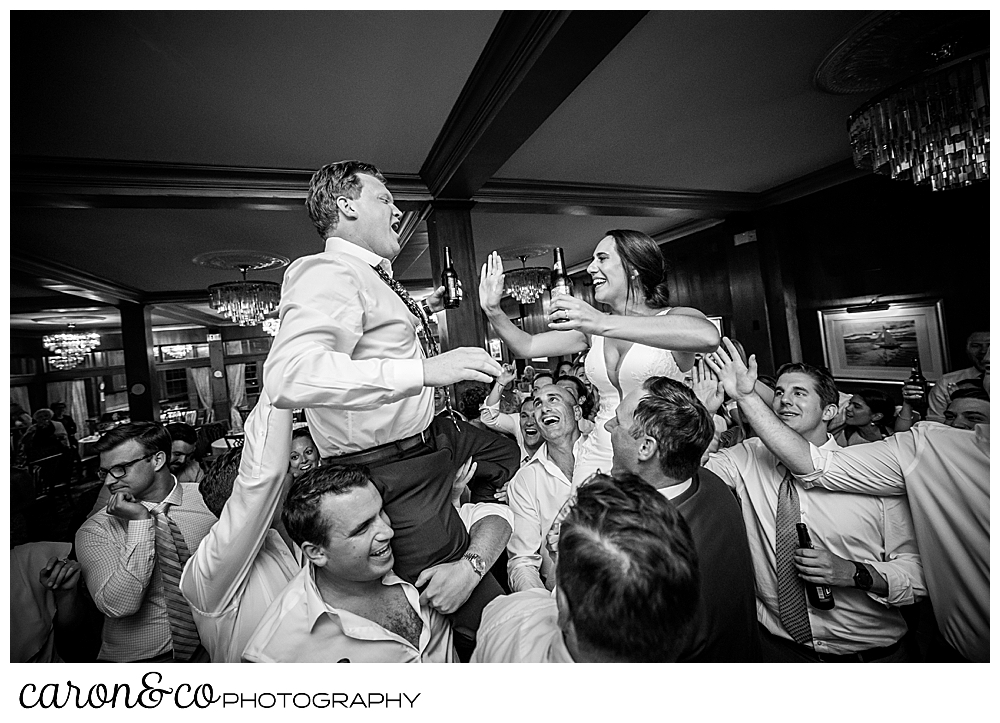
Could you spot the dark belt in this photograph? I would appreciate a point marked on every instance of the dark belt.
(862, 656)
(384, 452)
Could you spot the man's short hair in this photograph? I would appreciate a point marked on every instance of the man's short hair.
(672, 415)
(964, 390)
(628, 570)
(328, 184)
(825, 386)
(151, 436)
(182, 432)
(216, 486)
(301, 514)
(544, 373)
(57, 405)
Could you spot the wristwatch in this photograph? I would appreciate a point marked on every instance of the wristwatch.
(862, 578)
(426, 307)
(479, 565)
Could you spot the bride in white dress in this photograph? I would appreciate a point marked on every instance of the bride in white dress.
(640, 338)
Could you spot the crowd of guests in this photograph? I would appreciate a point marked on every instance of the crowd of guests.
(650, 498)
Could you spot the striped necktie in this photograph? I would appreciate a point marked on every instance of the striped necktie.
(430, 343)
(171, 554)
(791, 591)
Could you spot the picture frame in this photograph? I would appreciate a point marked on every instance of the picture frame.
(717, 323)
(879, 345)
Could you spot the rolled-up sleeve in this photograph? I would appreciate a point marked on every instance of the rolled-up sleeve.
(901, 564)
(524, 565)
(872, 469)
(117, 573)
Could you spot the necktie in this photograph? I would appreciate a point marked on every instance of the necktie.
(172, 553)
(430, 343)
(791, 592)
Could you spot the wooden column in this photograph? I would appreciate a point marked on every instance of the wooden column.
(450, 224)
(779, 288)
(140, 372)
(750, 313)
(220, 391)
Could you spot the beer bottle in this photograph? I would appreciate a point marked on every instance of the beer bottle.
(560, 283)
(449, 280)
(820, 596)
(917, 379)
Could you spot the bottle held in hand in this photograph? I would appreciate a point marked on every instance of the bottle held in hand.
(449, 280)
(819, 596)
(560, 282)
(917, 380)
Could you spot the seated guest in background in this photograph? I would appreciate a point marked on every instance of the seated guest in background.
(346, 605)
(303, 455)
(247, 558)
(564, 369)
(183, 464)
(976, 347)
(523, 427)
(59, 415)
(133, 552)
(541, 487)
(627, 585)
(541, 379)
(945, 474)
(659, 433)
(863, 546)
(870, 417)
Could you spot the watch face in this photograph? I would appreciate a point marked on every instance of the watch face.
(863, 578)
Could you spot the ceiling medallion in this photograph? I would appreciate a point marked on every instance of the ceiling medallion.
(527, 283)
(934, 127)
(243, 302)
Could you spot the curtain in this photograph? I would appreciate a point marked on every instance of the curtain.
(19, 395)
(74, 395)
(201, 377)
(236, 381)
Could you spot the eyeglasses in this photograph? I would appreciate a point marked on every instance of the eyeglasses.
(120, 470)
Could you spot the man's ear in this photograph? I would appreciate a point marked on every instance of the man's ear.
(159, 459)
(830, 411)
(314, 553)
(877, 416)
(346, 207)
(648, 447)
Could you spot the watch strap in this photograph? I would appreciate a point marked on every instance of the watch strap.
(477, 562)
(426, 307)
(862, 578)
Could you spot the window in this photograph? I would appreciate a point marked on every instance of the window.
(174, 384)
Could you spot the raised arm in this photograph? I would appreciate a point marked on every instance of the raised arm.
(225, 556)
(521, 343)
(739, 381)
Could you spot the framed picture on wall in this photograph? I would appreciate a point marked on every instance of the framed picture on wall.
(880, 345)
(717, 321)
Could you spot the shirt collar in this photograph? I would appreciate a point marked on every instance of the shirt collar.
(316, 607)
(675, 490)
(830, 443)
(337, 245)
(174, 498)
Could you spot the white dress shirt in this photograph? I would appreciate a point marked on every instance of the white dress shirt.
(118, 558)
(243, 563)
(875, 530)
(521, 628)
(347, 351)
(535, 494)
(300, 627)
(945, 473)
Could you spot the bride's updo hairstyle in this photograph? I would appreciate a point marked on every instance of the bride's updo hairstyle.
(644, 265)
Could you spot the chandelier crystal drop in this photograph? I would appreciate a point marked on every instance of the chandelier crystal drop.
(933, 130)
(271, 326)
(69, 348)
(527, 283)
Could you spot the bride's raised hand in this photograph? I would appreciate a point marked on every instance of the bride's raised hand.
(568, 313)
(491, 283)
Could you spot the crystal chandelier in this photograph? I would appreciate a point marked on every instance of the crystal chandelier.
(527, 283)
(69, 348)
(244, 302)
(934, 129)
(271, 326)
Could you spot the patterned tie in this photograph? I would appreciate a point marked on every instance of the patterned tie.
(172, 553)
(430, 343)
(791, 591)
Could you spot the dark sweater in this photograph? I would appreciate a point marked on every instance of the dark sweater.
(726, 626)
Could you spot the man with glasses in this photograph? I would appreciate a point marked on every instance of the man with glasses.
(133, 551)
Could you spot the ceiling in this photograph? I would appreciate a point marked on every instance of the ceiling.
(142, 139)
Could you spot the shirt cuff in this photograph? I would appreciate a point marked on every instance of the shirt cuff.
(819, 464)
(471, 513)
(523, 573)
(409, 376)
(900, 588)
